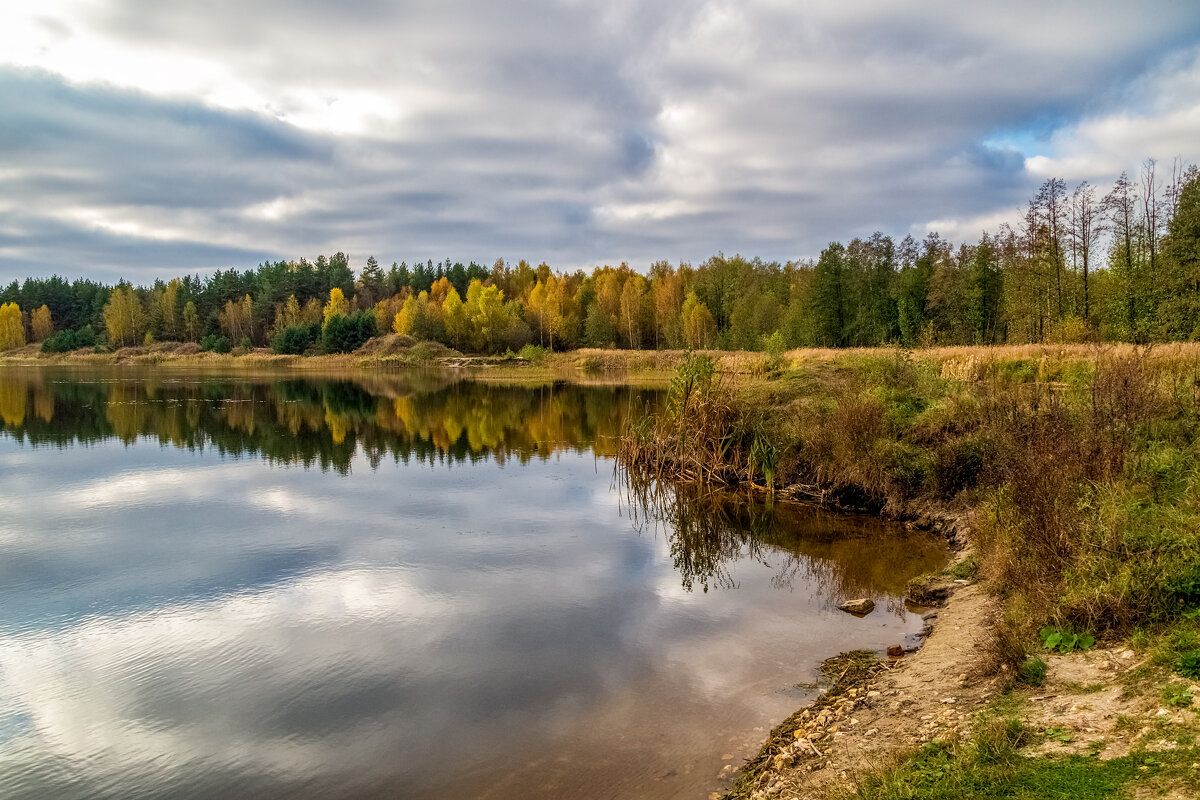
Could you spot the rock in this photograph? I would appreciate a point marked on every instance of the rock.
(1128, 654)
(895, 651)
(860, 607)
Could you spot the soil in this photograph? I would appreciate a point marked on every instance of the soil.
(924, 695)
(1105, 703)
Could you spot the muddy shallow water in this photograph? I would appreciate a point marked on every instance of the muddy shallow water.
(393, 585)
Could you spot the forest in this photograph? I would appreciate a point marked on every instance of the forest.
(1083, 264)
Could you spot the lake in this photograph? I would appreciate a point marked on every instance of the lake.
(283, 585)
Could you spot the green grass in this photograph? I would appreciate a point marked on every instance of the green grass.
(1032, 672)
(942, 772)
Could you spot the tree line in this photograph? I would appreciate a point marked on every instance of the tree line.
(1083, 264)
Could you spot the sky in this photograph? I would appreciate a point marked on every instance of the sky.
(143, 139)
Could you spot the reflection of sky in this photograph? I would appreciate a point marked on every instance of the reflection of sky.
(176, 622)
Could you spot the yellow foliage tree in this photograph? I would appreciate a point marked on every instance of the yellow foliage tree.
(191, 322)
(168, 309)
(699, 327)
(41, 323)
(337, 305)
(405, 317)
(124, 317)
(454, 314)
(287, 315)
(237, 319)
(12, 327)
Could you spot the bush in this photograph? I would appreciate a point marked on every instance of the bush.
(957, 465)
(295, 340)
(1188, 664)
(215, 344)
(67, 340)
(345, 334)
(533, 353)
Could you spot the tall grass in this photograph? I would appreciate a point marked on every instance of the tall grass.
(1077, 468)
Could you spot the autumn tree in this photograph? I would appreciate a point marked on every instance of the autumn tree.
(237, 319)
(124, 317)
(12, 327)
(191, 322)
(699, 327)
(458, 325)
(337, 306)
(40, 323)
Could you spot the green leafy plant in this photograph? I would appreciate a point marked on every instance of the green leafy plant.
(1188, 664)
(1177, 695)
(763, 455)
(1065, 641)
(1059, 734)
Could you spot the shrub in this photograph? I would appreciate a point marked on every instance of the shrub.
(346, 333)
(65, 341)
(296, 339)
(531, 352)
(957, 465)
(215, 344)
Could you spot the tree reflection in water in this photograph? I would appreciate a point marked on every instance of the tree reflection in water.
(320, 421)
(432, 418)
(837, 556)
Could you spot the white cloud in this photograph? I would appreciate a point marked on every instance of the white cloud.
(580, 133)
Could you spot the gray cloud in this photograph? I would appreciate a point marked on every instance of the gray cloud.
(154, 141)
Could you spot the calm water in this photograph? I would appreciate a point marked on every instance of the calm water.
(392, 586)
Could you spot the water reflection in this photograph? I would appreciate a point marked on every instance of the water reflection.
(838, 555)
(391, 586)
(316, 421)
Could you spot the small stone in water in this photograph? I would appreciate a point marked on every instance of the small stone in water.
(863, 605)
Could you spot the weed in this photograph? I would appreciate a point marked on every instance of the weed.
(1188, 664)
(1177, 695)
(964, 570)
(1032, 672)
(1065, 641)
(1059, 734)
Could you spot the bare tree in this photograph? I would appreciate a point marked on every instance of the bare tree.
(1084, 235)
(1151, 213)
(1050, 205)
(1120, 208)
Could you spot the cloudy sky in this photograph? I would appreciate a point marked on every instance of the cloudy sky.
(146, 139)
